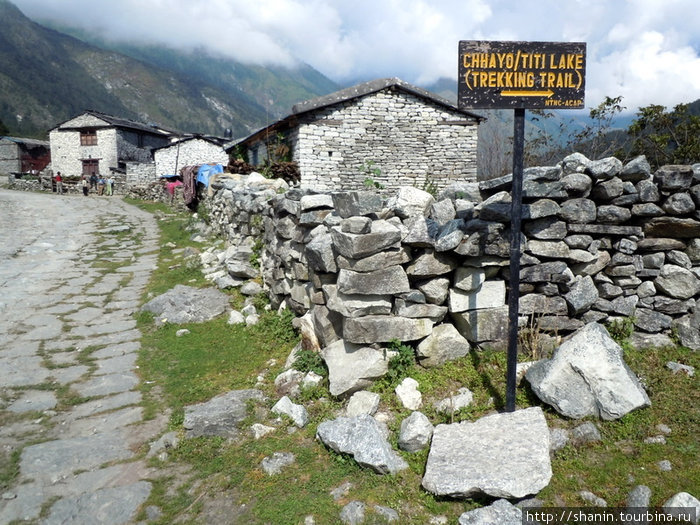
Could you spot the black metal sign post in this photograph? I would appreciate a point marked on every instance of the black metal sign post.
(519, 75)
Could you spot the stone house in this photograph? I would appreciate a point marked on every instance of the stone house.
(388, 130)
(189, 151)
(94, 142)
(18, 155)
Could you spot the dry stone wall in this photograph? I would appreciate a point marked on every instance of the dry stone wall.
(601, 241)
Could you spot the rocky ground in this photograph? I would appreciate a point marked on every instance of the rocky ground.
(72, 273)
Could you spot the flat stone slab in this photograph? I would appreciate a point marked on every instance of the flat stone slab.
(112, 365)
(107, 384)
(361, 437)
(501, 455)
(22, 371)
(110, 506)
(185, 304)
(69, 374)
(33, 400)
(104, 423)
(104, 404)
(55, 459)
(117, 350)
(220, 415)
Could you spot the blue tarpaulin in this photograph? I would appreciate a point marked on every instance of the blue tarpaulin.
(206, 171)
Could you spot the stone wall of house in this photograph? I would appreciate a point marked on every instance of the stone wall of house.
(411, 143)
(139, 173)
(9, 157)
(193, 152)
(601, 241)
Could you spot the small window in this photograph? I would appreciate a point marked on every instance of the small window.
(91, 167)
(88, 137)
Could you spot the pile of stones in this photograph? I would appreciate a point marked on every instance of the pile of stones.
(601, 242)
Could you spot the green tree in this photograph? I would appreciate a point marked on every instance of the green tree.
(596, 140)
(3, 129)
(666, 137)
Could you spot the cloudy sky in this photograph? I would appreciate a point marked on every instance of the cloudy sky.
(647, 51)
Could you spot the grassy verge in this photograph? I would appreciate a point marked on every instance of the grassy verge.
(215, 357)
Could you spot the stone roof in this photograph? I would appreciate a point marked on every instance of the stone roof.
(353, 92)
(124, 123)
(33, 143)
(374, 86)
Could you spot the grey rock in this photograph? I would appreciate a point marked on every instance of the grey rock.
(353, 513)
(352, 367)
(585, 433)
(241, 269)
(578, 211)
(221, 415)
(665, 465)
(558, 438)
(431, 264)
(287, 382)
(415, 433)
(320, 254)
(351, 203)
(435, 290)
(468, 279)
(587, 376)
(679, 501)
(384, 259)
(453, 404)
(384, 328)
(362, 438)
(592, 499)
(678, 367)
(185, 304)
(546, 229)
(530, 304)
(421, 232)
(443, 211)
(389, 515)
(500, 512)
(678, 282)
(408, 394)
(577, 184)
(648, 191)
(674, 177)
(274, 464)
(450, 235)
(491, 294)
(607, 190)
(639, 497)
(362, 402)
(251, 288)
(383, 234)
(582, 295)
(638, 169)
(679, 204)
(604, 169)
(501, 455)
(433, 312)
(549, 249)
(296, 413)
(444, 344)
(356, 225)
(486, 325)
(355, 305)
(574, 163)
(385, 281)
(410, 201)
(613, 214)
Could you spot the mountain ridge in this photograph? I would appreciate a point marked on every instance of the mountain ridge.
(49, 76)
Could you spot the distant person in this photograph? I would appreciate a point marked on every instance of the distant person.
(110, 185)
(101, 185)
(59, 183)
(93, 181)
(85, 184)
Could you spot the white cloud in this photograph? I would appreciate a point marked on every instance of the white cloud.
(648, 51)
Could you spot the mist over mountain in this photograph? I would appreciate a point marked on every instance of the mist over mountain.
(49, 76)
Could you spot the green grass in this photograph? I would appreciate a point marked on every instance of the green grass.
(216, 357)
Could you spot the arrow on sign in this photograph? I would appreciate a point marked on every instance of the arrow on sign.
(547, 93)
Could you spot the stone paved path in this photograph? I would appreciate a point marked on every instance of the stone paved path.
(72, 271)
